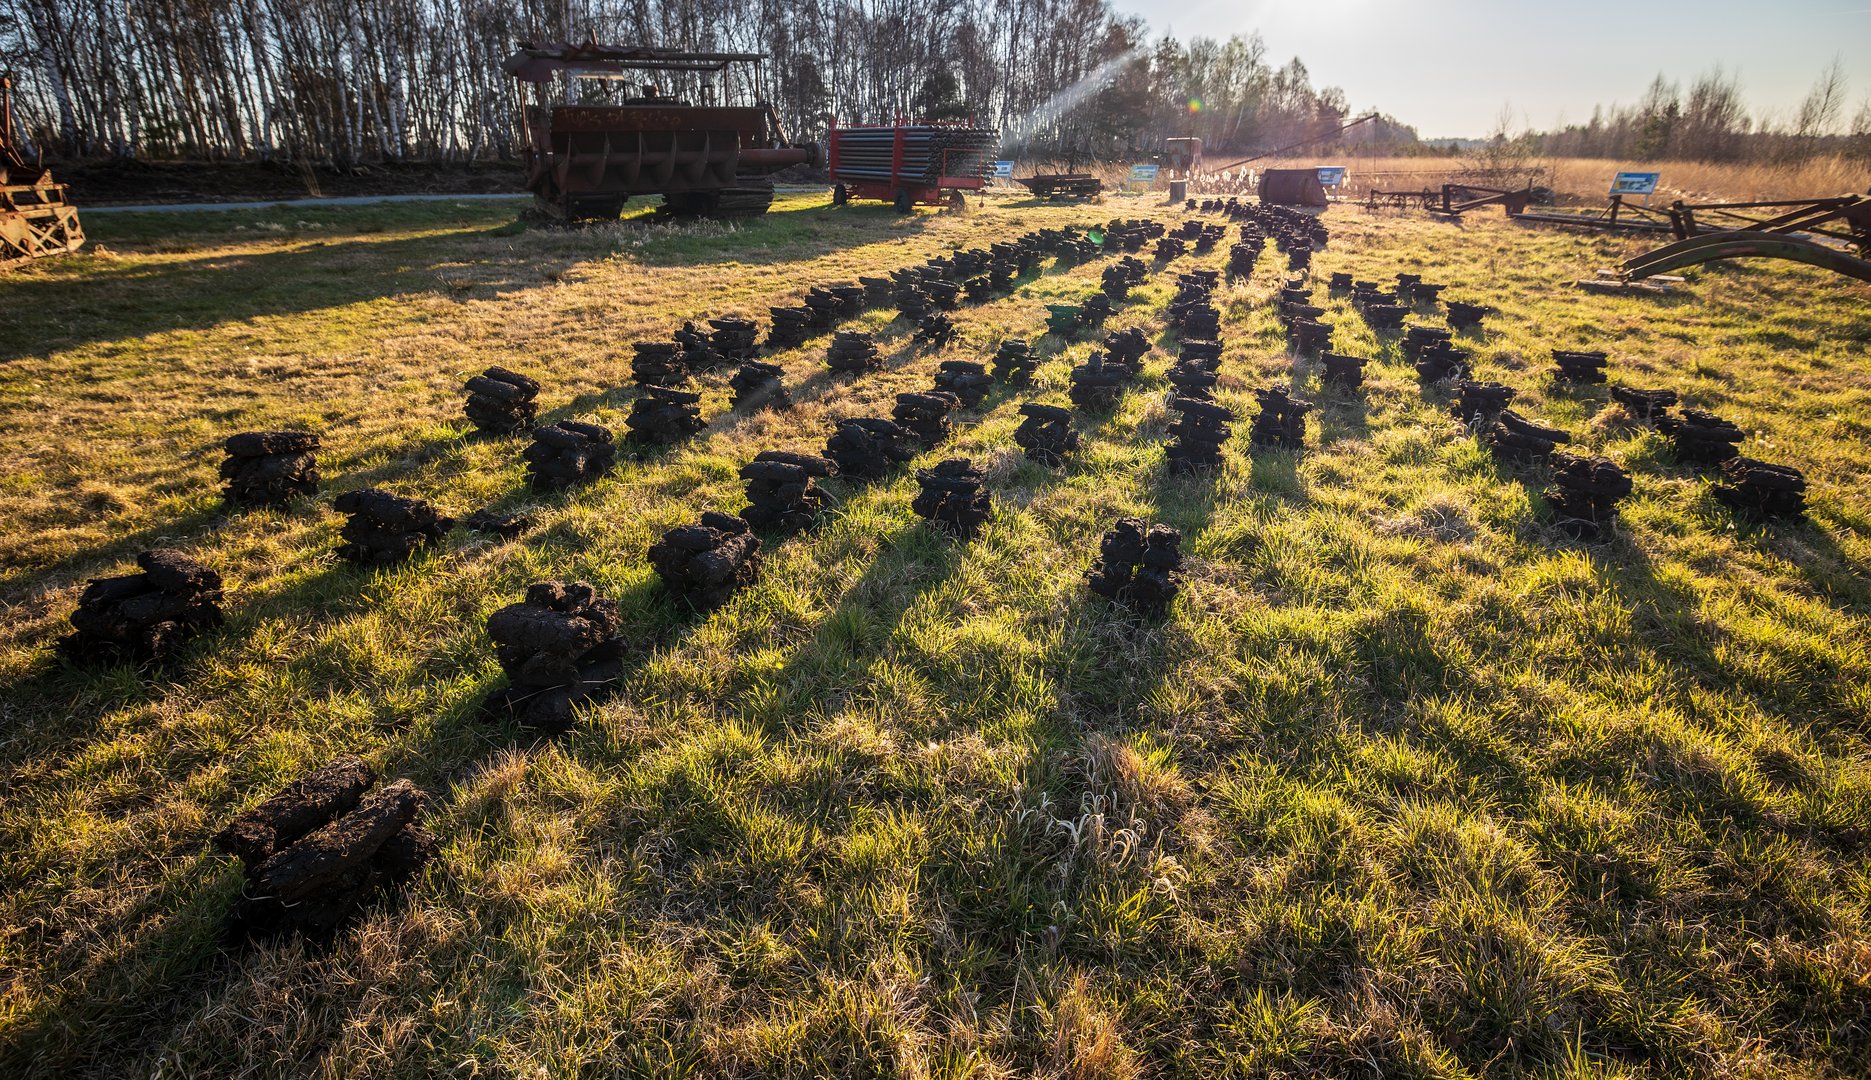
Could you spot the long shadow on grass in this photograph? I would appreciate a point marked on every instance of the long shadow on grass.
(51, 313)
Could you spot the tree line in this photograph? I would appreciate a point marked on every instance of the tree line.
(1709, 120)
(351, 81)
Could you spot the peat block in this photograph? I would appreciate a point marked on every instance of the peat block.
(1440, 361)
(1644, 404)
(1138, 566)
(759, 385)
(1200, 429)
(320, 851)
(935, 329)
(951, 497)
(1127, 346)
(1585, 494)
(1015, 362)
(1342, 371)
(658, 363)
(501, 401)
(1513, 437)
(568, 453)
(702, 565)
(868, 447)
(1701, 437)
(1756, 489)
(926, 416)
(145, 615)
(663, 416)
(1480, 400)
(782, 489)
(1099, 382)
(505, 526)
(1464, 316)
(852, 352)
(269, 468)
(1045, 434)
(1579, 367)
(559, 647)
(1281, 423)
(735, 339)
(966, 379)
(1307, 336)
(384, 529)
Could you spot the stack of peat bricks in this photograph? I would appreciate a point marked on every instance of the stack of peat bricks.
(1436, 357)
(782, 490)
(559, 648)
(664, 416)
(1417, 291)
(1756, 489)
(1381, 310)
(704, 564)
(943, 295)
(321, 850)
(791, 327)
(146, 615)
(1241, 258)
(927, 417)
(658, 363)
(1700, 437)
(734, 339)
(1339, 284)
(1200, 429)
(912, 302)
(759, 385)
(1465, 316)
(500, 402)
(568, 453)
(1015, 362)
(1644, 405)
(852, 352)
(868, 447)
(1170, 247)
(1193, 377)
(1099, 382)
(1281, 424)
(1585, 494)
(1514, 438)
(935, 330)
(1191, 313)
(1579, 367)
(269, 468)
(1045, 434)
(966, 379)
(384, 529)
(1480, 402)
(951, 497)
(1307, 337)
(1343, 372)
(1137, 566)
(1122, 276)
(879, 292)
(697, 350)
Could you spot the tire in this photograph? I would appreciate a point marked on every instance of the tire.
(902, 201)
(840, 196)
(957, 201)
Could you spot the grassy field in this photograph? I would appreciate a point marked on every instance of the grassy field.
(1406, 785)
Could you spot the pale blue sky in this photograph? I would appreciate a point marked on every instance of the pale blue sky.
(1449, 66)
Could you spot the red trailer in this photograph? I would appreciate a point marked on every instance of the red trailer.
(906, 164)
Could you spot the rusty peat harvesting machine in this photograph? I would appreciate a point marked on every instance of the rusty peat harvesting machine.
(36, 218)
(609, 135)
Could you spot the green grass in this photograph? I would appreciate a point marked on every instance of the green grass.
(1406, 785)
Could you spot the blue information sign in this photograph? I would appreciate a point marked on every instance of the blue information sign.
(1635, 183)
(1003, 170)
(1143, 174)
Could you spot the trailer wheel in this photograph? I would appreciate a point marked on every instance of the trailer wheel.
(902, 201)
(957, 201)
(840, 196)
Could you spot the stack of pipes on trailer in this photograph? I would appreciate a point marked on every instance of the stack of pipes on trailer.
(929, 152)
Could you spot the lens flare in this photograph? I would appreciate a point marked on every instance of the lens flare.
(1195, 104)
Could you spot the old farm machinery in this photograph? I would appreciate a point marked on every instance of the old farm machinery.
(621, 138)
(905, 163)
(36, 218)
